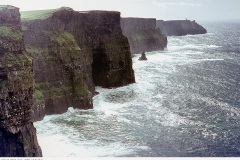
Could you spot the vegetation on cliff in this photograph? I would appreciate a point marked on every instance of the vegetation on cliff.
(40, 14)
(11, 32)
(17, 133)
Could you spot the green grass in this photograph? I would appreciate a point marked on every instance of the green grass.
(10, 32)
(82, 90)
(38, 95)
(14, 59)
(40, 14)
(64, 39)
(55, 92)
(3, 84)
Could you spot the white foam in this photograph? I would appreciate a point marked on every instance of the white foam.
(214, 46)
(59, 146)
(63, 139)
(212, 59)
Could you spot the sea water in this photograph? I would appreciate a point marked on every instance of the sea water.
(185, 102)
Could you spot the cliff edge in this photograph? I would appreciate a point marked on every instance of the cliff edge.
(142, 34)
(17, 133)
(180, 27)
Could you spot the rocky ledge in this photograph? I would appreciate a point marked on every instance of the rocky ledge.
(17, 133)
(180, 27)
(143, 35)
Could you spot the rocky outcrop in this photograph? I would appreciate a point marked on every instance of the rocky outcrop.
(180, 27)
(17, 133)
(74, 51)
(143, 35)
(143, 57)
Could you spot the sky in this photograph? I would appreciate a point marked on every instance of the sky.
(212, 10)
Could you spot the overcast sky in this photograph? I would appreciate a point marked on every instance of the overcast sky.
(160, 9)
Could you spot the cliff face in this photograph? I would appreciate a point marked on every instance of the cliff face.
(143, 35)
(73, 52)
(17, 133)
(62, 66)
(180, 27)
(112, 62)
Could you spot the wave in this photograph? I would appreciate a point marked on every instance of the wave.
(212, 59)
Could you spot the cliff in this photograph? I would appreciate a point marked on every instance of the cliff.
(112, 62)
(17, 133)
(143, 35)
(60, 63)
(74, 51)
(180, 27)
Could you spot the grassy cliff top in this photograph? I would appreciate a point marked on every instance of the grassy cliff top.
(41, 14)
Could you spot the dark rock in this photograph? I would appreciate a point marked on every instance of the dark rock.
(180, 27)
(62, 65)
(142, 34)
(17, 133)
(143, 57)
(112, 62)
(74, 51)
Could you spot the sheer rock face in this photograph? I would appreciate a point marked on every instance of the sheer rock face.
(17, 133)
(112, 62)
(63, 66)
(143, 35)
(180, 27)
(74, 51)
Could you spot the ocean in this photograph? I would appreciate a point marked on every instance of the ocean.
(185, 103)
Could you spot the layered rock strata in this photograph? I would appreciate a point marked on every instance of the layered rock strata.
(74, 51)
(143, 35)
(180, 27)
(17, 133)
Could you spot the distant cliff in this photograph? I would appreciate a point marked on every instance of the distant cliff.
(143, 35)
(17, 133)
(180, 27)
(74, 51)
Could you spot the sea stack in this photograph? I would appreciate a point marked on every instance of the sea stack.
(143, 57)
(17, 133)
(180, 27)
